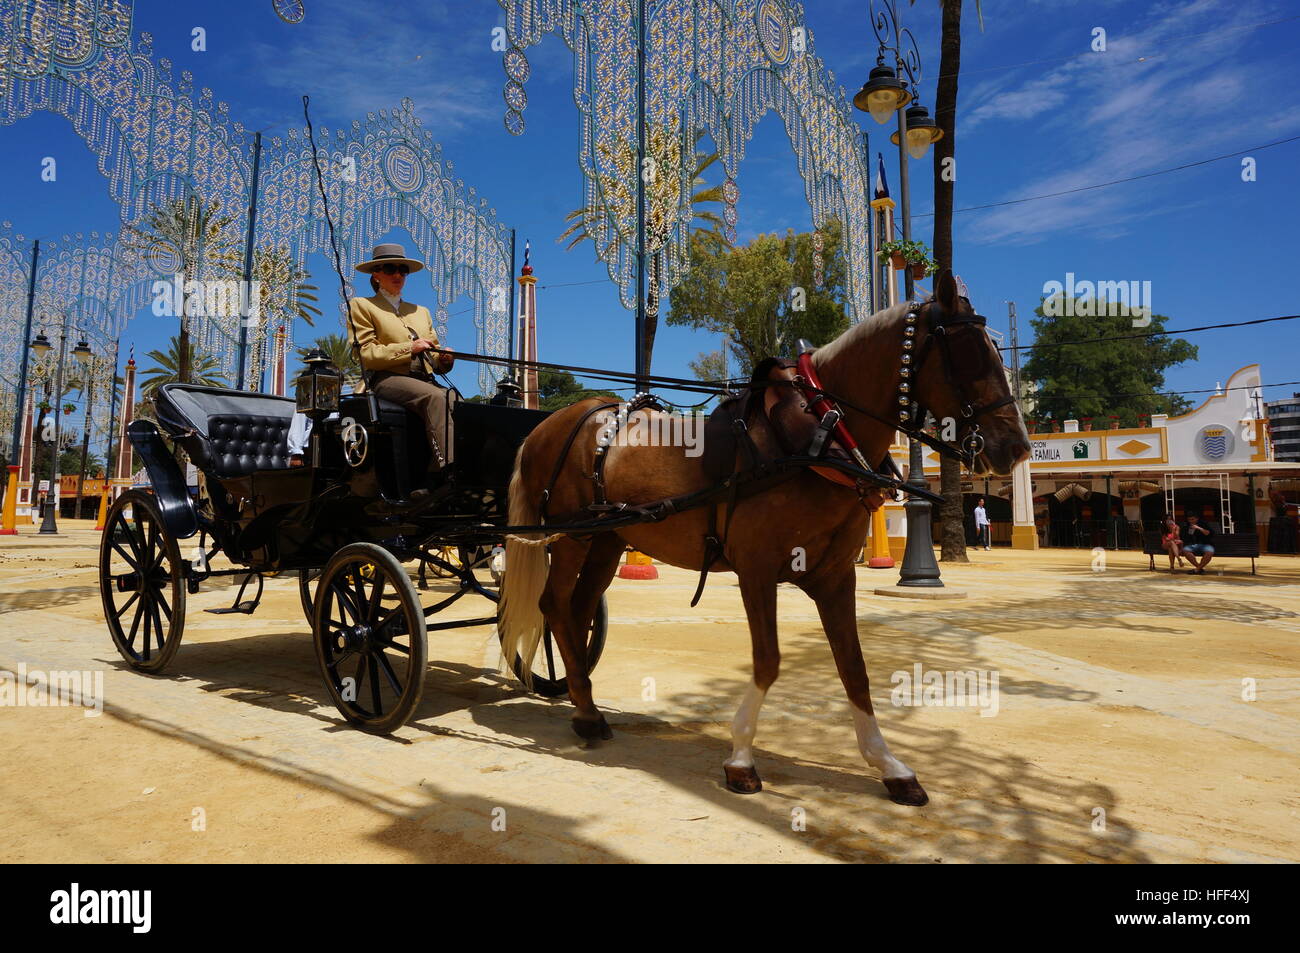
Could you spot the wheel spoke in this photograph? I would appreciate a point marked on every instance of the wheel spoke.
(389, 673)
(374, 685)
(131, 560)
(135, 625)
(345, 602)
(148, 625)
(360, 675)
(163, 604)
(129, 602)
(372, 616)
(157, 623)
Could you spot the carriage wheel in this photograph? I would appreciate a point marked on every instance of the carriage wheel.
(549, 678)
(370, 637)
(141, 583)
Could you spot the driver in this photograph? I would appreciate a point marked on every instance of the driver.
(400, 349)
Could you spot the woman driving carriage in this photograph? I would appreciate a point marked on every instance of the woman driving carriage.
(400, 350)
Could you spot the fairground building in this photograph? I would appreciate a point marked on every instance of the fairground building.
(1096, 485)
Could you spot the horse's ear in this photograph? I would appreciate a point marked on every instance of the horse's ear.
(945, 290)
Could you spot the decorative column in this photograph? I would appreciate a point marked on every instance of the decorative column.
(27, 461)
(279, 376)
(1024, 535)
(883, 215)
(528, 330)
(121, 472)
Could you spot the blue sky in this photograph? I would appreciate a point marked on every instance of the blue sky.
(1039, 112)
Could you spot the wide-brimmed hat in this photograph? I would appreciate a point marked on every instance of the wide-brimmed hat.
(389, 254)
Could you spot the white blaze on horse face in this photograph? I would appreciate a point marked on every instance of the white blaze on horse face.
(744, 727)
(872, 745)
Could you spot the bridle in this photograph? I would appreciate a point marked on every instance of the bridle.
(959, 371)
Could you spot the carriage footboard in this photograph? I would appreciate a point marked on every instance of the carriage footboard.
(169, 489)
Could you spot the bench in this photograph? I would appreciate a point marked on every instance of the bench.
(1226, 545)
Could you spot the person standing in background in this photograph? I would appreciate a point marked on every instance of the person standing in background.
(982, 537)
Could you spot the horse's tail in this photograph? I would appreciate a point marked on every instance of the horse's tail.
(519, 619)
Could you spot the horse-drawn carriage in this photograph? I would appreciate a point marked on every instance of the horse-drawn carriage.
(347, 522)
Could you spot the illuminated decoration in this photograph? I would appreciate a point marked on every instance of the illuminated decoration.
(159, 141)
(716, 65)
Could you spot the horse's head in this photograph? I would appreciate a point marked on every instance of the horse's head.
(960, 379)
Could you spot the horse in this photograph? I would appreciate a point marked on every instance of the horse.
(874, 368)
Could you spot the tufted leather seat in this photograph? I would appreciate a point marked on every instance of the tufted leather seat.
(227, 433)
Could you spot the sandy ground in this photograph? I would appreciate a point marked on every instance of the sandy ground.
(1121, 731)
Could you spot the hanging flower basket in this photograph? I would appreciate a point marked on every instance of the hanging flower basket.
(45, 406)
(898, 261)
(1086, 423)
(69, 408)
(919, 270)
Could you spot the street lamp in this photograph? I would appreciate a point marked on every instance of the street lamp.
(82, 352)
(887, 91)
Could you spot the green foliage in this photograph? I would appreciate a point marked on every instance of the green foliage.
(753, 294)
(202, 367)
(70, 463)
(559, 389)
(913, 252)
(1097, 379)
(340, 352)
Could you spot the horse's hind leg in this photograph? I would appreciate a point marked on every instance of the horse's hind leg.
(568, 557)
(838, 611)
(759, 595)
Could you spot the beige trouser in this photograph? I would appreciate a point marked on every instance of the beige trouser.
(431, 402)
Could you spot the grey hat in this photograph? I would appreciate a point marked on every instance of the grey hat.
(386, 254)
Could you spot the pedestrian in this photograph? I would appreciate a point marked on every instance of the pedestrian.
(982, 536)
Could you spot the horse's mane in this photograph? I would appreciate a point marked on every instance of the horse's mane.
(863, 329)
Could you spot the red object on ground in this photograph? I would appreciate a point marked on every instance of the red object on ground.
(638, 572)
(880, 562)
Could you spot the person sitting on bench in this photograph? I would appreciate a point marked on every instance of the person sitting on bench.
(1172, 543)
(400, 349)
(1197, 544)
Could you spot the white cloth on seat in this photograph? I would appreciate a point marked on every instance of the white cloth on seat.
(300, 433)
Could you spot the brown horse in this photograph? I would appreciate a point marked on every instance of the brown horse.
(823, 521)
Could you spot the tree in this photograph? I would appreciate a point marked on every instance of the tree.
(202, 368)
(200, 239)
(1101, 378)
(663, 192)
(340, 352)
(558, 389)
(764, 296)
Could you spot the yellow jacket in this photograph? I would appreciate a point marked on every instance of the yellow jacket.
(382, 334)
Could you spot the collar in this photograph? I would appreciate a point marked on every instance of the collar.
(395, 302)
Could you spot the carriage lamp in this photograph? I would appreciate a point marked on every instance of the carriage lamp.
(508, 393)
(921, 131)
(41, 344)
(82, 352)
(318, 386)
(882, 94)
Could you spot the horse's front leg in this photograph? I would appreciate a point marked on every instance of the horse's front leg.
(758, 590)
(836, 605)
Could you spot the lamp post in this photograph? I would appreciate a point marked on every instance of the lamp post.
(892, 91)
(41, 345)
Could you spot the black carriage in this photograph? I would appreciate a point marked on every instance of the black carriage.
(349, 522)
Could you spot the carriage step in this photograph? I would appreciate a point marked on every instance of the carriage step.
(246, 607)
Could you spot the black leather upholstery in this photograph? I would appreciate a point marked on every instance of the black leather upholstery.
(227, 433)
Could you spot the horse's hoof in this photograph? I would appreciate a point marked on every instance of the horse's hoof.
(742, 780)
(906, 791)
(592, 730)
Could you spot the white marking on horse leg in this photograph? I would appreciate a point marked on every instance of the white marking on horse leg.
(744, 726)
(872, 745)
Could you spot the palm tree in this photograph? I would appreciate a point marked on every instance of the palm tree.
(200, 238)
(951, 517)
(663, 200)
(340, 352)
(202, 368)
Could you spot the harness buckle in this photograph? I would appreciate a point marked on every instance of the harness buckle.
(828, 422)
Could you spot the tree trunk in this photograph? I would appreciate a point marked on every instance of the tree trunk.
(952, 522)
(651, 312)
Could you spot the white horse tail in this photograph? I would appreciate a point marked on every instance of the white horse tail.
(519, 619)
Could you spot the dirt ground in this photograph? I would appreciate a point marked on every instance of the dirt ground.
(1140, 717)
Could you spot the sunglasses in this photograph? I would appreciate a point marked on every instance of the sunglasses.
(394, 269)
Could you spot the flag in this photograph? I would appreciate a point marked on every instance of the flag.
(882, 186)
